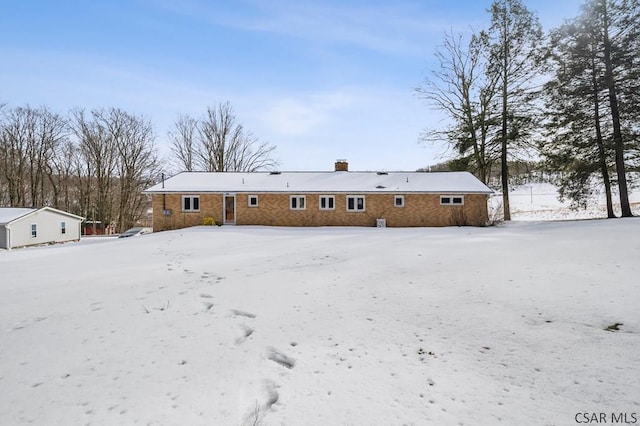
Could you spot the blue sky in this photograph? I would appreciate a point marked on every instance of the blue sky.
(321, 80)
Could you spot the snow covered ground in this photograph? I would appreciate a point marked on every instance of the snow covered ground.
(539, 201)
(325, 326)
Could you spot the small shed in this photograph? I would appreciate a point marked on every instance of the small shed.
(21, 227)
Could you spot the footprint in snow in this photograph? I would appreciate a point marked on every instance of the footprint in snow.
(269, 396)
(207, 304)
(271, 393)
(246, 333)
(280, 358)
(239, 313)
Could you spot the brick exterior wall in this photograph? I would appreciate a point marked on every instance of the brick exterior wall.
(273, 210)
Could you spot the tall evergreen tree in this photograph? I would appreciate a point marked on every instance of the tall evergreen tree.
(609, 16)
(514, 36)
(593, 98)
(576, 146)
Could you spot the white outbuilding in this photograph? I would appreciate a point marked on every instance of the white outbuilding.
(21, 227)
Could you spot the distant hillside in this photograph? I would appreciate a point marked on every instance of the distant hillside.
(521, 172)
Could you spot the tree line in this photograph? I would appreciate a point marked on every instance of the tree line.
(97, 163)
(569, 97)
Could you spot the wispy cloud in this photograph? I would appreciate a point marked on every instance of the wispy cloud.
(373, 127)
(306, 113)
(389, 29)
(398, 28)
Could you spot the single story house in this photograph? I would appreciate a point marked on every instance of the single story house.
(338, 198)
(21, 227)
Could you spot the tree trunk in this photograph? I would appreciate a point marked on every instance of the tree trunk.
(503, 133)
(604, 170)
(615, 116)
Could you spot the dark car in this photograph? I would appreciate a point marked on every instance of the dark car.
(134, 232)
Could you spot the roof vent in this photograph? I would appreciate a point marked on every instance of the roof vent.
(380, 187)
(274, 173)
(382, 173)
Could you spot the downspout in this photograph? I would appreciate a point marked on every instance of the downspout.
(164, 197)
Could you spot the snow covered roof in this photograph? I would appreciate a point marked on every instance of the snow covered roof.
(326, 182)
(9, 214)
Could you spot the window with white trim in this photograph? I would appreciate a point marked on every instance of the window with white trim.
(398, 200)
(253, 201)
(190, 203)
(452, 200)
(355, 203)
(34, 230)
(63, 227)
(297, 202)
(327, 202)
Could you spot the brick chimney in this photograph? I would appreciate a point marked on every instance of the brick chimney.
(342, 166)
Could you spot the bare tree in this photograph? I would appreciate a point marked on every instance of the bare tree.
(65, 185)
(467, 94)
(136, 163)
(48, 133)
(183, 143)
(14, 155)
(4, 188)
(218, 143)
(118, 160)
(96, 164)
(99, 158)
(28, 140)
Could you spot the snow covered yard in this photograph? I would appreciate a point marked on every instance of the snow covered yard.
(539, 201)
(325, 326)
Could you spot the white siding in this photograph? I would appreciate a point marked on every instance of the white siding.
(4, 232)
(49, 230)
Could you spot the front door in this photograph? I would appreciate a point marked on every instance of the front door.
(229, 209)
